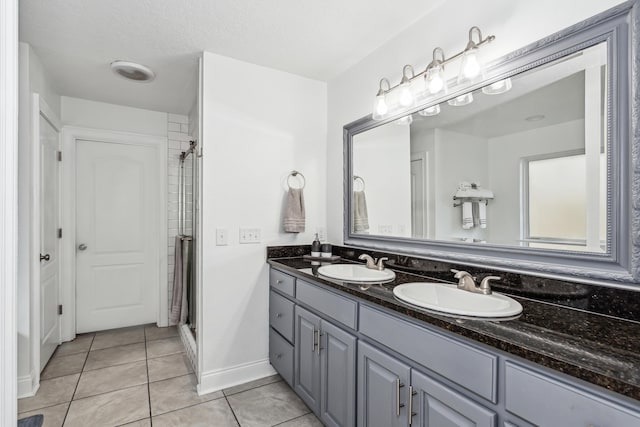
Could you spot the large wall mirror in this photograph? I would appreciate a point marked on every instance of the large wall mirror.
(535, 178)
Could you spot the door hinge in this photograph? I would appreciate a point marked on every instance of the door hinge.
(59, 156)
(60, 309)
(59, 233)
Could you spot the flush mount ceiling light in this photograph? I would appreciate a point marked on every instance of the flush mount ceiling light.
(432, 83)
(133, 71)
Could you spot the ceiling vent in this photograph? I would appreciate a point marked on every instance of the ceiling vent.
(133, 71)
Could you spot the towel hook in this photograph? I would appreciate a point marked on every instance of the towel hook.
(357, 178)
(295, 173)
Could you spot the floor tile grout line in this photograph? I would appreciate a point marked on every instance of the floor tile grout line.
(252, 388)
(232, 411)
(190, 406)
(44, 407)
(292, 419)
(111, 366)
(148, 379)
(77, 383)
(107, 392)
(115, 346)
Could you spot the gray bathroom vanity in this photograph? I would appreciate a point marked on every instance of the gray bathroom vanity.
(359, 357)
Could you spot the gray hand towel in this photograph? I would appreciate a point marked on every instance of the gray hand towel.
(360, 213)
(294, 215)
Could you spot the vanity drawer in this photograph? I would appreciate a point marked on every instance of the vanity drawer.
(338, 308)
(547, 401)
(467, 366)
(282, 282)
(281, 315)
(281, 356)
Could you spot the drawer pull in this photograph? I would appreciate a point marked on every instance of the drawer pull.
(279, 356)
(399, 405)
(278, 282)
(278, 315)
(411, 413)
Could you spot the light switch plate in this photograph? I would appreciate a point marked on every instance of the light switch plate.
(222, 237)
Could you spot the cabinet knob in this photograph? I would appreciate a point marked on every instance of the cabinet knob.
(278, 315)
(278, 282)
(279, 356)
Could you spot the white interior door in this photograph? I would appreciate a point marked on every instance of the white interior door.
(49, 246)
(117, 223)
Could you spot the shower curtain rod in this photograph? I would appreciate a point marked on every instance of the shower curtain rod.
(192, 147)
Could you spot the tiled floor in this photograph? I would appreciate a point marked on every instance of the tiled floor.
(141, 377)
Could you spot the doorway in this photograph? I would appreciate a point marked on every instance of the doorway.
(115, 211)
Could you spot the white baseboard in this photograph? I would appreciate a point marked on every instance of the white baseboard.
(228, 377)
(27, 385)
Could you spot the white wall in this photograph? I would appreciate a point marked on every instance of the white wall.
(33, 79)
(515, 24)
(381, 157)
(258, 124)
(101, 115)
(505, 154)
(460, 157)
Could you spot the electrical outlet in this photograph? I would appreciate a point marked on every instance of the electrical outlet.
(250, 235)
(222, 237)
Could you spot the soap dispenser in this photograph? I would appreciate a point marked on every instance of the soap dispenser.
(315, 247)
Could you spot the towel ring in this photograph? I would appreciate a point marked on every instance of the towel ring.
(296, 173)
(357, 178)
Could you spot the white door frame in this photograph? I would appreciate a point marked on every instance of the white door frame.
(8, 210)
(423, 157)
(70, 136)
(39, 108)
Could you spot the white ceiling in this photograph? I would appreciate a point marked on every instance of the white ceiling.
(77, 39)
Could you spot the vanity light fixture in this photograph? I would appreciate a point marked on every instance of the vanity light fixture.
(432, 82)
(501, 86)
(430, 111)
(380, 107)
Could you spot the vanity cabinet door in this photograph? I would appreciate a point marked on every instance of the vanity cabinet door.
(337, 376)
(436, 405)
(383, 382)
(307, 358)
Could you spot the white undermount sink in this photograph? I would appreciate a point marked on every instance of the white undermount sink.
(451, 300)
(356, 273)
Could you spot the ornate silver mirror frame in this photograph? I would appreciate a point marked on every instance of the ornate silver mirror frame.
(620, 265)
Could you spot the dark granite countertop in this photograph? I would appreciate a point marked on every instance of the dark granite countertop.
(596, 348)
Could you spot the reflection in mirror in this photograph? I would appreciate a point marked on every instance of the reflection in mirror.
(521, 162)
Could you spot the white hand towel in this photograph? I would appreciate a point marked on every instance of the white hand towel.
(360, 213)
(467, 215)
(482, 213)
(294, 214)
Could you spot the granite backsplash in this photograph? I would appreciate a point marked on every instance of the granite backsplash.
(609, 301)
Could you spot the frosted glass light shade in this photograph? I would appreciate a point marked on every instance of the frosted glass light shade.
(380, 107)
(458, 101)
(406, 98)
(435, 80)
(501, 86)
(430, 111)
(406, 120)
(471, 67)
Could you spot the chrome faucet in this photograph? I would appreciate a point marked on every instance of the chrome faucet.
(371, 263)
(466, 282)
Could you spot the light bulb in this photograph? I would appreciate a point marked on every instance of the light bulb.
(435, 80)
(406, 96)
(471, 67)
(430, 111)
(458, 101)
(380, 108)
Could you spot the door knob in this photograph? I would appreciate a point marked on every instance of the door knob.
(82, 247)
(45, 257)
